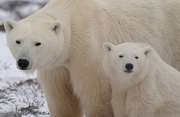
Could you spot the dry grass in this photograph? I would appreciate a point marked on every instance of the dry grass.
(25, 97)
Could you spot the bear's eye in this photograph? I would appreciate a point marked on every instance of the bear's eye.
(18, 42)
(120, 56)
(37, 44)
(136, 57)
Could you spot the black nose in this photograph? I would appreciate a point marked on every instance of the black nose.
(23, 63)
(129, 66)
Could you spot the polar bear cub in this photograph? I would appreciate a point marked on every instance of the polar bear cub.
(143, 85)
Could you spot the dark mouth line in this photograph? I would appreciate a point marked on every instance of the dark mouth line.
(23, 69)
(128, 71)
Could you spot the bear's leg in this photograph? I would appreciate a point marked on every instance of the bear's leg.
(58, 91)
(169, 109)
(95, 95)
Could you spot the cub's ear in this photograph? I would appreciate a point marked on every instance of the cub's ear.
(107, 47)
(147, 51)
(9, 25)
(57, 26)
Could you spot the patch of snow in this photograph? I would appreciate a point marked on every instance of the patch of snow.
(25, 97)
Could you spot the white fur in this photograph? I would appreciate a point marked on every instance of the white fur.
(83, 26)
(150, 90)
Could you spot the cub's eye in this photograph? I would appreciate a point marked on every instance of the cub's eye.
(37, 44)
(18, 42)
(120, 56)
(136, 57)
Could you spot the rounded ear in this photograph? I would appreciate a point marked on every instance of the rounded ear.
(107, 47)
(57, 26)
(9, 25)
(147, 51)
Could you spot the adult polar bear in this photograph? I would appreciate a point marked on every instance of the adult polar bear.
(63, 41)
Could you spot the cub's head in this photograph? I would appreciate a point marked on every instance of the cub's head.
(126, 61)
(35, 44)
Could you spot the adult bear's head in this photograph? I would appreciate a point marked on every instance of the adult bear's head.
(35, 44)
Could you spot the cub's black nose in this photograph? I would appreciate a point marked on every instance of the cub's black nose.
(129, 66)
(23, 64)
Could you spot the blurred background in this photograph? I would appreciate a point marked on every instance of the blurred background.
(18, 9)
(20, 94)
